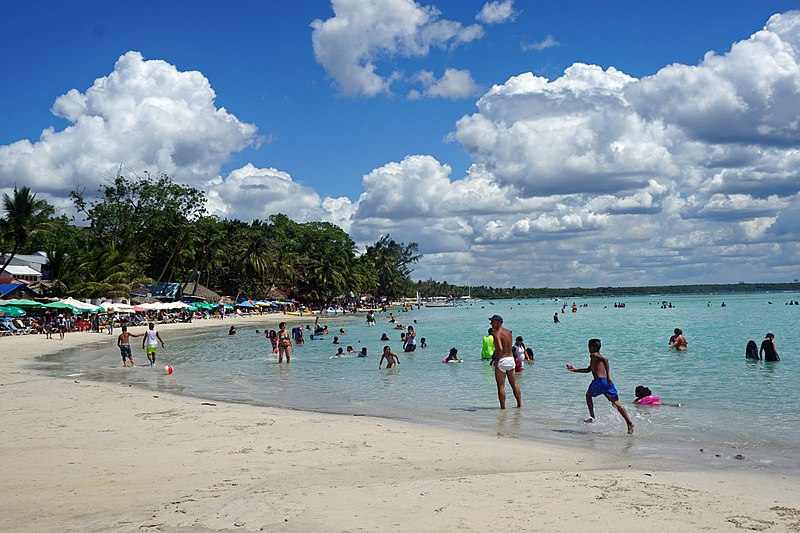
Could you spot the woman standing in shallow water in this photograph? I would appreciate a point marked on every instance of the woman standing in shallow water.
(284, 343)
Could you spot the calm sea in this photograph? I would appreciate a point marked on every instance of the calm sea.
(728, 405)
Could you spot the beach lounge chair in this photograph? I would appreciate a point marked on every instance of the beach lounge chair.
(21, 327)
(4, 332)
(8, 326)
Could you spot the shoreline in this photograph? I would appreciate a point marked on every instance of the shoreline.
(100, 456)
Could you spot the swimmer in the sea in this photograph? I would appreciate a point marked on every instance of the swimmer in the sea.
(391, 358)
(363, 352)
(385, 337)
(519, 354)
(678, 341)
(350, 350)
(423, 343)
(751, 350)
(769, 349)
(555, 318)
(529, 355)
(644, 396)
(335, 340)
(339, 352)
(452, 356)
(601, 384)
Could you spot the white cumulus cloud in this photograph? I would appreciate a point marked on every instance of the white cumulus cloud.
(250, 192)
(145, 115)
(362, 32)
(454, 84)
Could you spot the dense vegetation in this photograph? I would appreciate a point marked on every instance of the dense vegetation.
(436, 288)
(149, 229)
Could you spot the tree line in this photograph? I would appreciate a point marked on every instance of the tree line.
(431, 288)
(145, 229)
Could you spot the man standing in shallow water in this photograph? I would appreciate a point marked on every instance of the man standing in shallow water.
(503, 362)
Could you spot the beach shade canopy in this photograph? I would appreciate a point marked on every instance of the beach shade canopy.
(111, 307)
(30, 304)
(228, 307)
(245, 303)
(11, 311)
(60, 305)
(82, 307)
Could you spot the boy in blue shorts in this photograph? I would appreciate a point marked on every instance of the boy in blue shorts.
(601, 384)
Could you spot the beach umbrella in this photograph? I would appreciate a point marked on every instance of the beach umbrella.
(11, 311)
(245, 303)
(82, 307)
(58, 305)
(23, 303)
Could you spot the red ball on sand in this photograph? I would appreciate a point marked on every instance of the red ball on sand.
(168, 370)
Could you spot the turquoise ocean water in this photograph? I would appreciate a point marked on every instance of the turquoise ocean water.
(728, 405)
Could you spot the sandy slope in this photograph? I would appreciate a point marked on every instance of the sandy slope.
(84, 456)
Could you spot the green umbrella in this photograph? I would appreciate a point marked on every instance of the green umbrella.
(23, 303)
(60, 305)
(11, 311)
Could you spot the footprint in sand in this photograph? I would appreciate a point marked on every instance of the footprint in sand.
(749, 523)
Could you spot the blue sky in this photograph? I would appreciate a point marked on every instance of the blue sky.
(258, 57)
(619, 154)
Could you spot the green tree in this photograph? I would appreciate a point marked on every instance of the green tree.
(108, 272)
(25, 216)
(392, 262)
(150, 216)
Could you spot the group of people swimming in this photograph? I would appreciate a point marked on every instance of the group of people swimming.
(768, 350)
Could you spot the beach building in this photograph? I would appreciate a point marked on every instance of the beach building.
(24, 273)
(194, 291)
(36, 261)
(9, 291)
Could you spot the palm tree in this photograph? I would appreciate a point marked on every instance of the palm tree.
(107, 272)
(25, 215)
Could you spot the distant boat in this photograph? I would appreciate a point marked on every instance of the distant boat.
(440, 304)
(440, 301)
(468, 297)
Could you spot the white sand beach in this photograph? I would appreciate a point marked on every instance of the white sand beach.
(86, 456)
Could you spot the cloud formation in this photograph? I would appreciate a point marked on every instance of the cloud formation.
(250, 192)
(497, 12)
(145, 115)
(454, 84)
(548, 42)
(349, 44)
(595, 177)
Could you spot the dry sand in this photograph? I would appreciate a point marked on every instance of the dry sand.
(86, 456)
